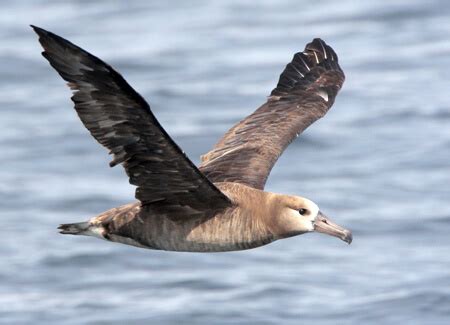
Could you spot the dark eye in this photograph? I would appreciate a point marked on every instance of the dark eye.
(303, 211)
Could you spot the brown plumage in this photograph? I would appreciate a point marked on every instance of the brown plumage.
(221, 205)
(248, 151)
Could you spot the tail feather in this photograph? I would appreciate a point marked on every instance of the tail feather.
(74, 228)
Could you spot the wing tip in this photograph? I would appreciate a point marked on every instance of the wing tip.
(322, 50)
(47, 39)
(36, 28)
(299, 72)
(42, 33)
(53, 43)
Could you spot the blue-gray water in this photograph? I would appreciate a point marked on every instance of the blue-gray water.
(378, 163)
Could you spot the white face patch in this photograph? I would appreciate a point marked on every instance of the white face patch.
(323, 94)
(300, 223)
(304, 223)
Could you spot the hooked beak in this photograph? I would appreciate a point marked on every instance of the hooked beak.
(324, 225)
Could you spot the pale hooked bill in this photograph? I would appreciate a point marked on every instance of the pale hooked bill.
(220, 205)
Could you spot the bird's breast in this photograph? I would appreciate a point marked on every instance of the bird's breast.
(230, 231)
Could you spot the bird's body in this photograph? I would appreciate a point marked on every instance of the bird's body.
(246, 224)
(236, 228)
(222, 205)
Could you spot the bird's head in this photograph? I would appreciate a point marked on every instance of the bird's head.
(295, 215)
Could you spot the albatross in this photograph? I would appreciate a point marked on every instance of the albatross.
(220, 205)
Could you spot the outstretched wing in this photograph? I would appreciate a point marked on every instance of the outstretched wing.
(305, 92)
(121, 120)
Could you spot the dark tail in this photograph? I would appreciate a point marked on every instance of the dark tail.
(74, 228)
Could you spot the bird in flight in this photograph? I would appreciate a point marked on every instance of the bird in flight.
(220, 205)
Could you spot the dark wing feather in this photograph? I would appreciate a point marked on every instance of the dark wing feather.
(121, 120)
(306, 90)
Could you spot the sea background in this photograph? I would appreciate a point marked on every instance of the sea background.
(378, 163)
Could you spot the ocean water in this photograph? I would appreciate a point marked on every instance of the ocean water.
(378, 163)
